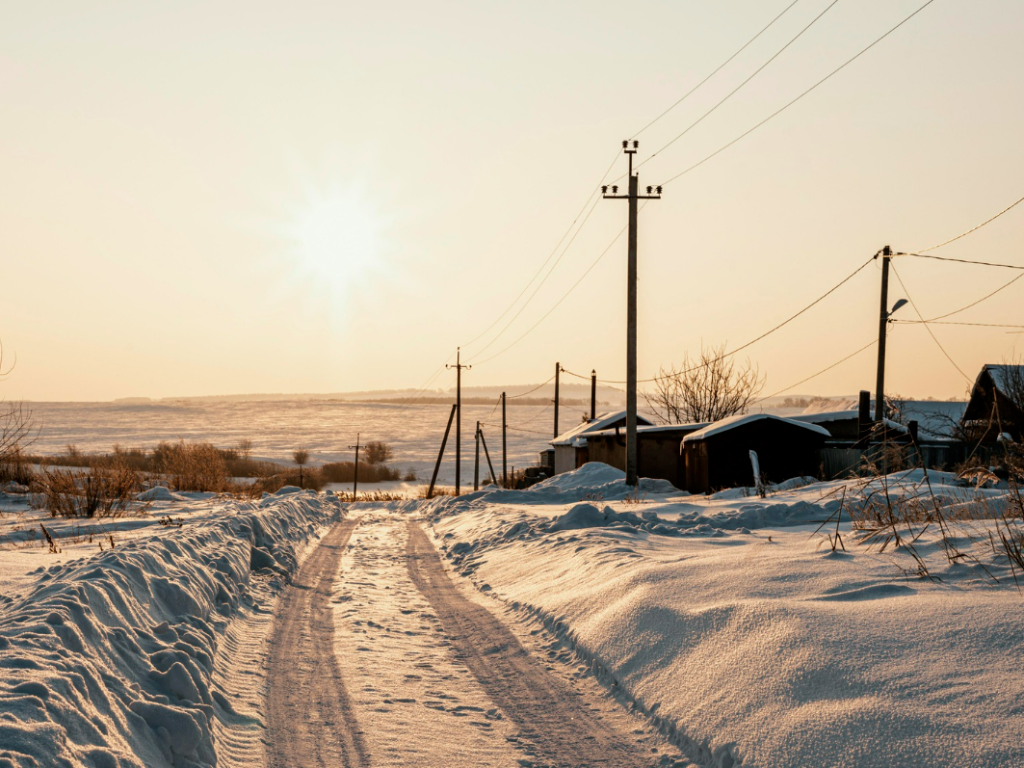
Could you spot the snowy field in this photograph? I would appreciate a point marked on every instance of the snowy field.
(717, 631)
(277, 428)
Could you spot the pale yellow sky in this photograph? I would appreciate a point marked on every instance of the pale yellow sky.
(203, 198)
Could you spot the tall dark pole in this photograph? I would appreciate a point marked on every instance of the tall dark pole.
(476, 462)
(593, 395)
(633, 197)
(458, 417)
(355, 478)
(558, 369)
(883, 321)
(440, 454)
(504, 445)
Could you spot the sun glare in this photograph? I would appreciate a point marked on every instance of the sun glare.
(336, 239)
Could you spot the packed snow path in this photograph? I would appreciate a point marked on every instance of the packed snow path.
(559, 729)
(380, 659)
(310, 718)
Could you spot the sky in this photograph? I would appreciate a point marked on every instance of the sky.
(221, 198)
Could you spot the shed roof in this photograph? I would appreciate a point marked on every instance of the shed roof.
(655, 429)
(830, 416)
(732, 422)
(602, 421)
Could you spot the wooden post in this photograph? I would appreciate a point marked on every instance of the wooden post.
(504, 444)
(864, 415)
(558, 369)
(883, 321)
(593, 395)
(476, 463)
(355, 478)
(440, 454)
(487, 454)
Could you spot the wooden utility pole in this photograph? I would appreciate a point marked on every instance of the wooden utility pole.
(558, 370)
(631, 277)
(355, 478)
(593, 395)
(487, 455)
(883, 321)
(440, 454)
(504, 444)
(458, 418)
(476, 463)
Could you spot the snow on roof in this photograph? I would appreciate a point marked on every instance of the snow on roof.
(655, 428)
(830, 416)
(936, 419)
(738, 420)
(1005, 377)
(602, 421)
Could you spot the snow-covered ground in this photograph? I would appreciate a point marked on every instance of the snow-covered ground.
(724, 625)
(109, 656)
(731, 623)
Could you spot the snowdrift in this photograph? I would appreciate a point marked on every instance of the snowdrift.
(107, 659)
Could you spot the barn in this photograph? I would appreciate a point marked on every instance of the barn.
(571, 448)
(996, 406)
(718, 456)
(657, 449)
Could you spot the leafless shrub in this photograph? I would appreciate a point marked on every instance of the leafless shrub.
(192, 466)
(300, 457)
(93, 493)
(706, 389)
(377, 452)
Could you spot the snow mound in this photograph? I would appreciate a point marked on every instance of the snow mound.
(159, 493)
(107, 661)
(591, 475)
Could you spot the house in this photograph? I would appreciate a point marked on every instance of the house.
(996, 407)
(571, 447)
(657, 450)
(718, 456)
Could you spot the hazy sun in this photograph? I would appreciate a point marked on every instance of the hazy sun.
(337, 238)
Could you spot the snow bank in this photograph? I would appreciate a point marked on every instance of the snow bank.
(107, 659)
(749, 643)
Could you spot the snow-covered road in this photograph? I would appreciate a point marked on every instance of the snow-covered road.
(414, 670)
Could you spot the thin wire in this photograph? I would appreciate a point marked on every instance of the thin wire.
(798, 98)
(784, 323)
(564, 297)
(939, 322)
(962, 261)
(927, 327)
(974, 229)
(409, 402)
(719, 69)
(517, 429)
(553, 252)
(815, 375)
(976, 303)
(539, 285)
(531, 391)
(738, 87)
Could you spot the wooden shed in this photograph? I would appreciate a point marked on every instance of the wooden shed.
(658, 453)
(571, 448)
(996, 406)
(718, 456)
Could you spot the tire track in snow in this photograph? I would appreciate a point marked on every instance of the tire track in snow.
(310, 720)
(549, 714)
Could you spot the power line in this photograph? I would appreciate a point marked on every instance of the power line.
(975, 229)
(940, 322)
(553, 252)
(815, 375)
(798, 98)
(531, 391)
(517, 429)
(738, 87)
(979, 301)
(784, 323)
(962, 261)
(717, 70)
(927, 326)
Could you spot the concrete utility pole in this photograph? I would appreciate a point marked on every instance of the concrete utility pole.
(593, 394)
(883, 321)
(504, 445)
(458, 416)
(355, 479)
(558, 370)
(632, 197)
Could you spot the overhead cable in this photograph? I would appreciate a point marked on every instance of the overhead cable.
(974, 229)
(961, 261)
(720, 67)
(816, 375)
(782, 109)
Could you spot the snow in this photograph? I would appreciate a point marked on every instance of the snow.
(733, 625)
(602, 421)
(731, 422)
(108, 656)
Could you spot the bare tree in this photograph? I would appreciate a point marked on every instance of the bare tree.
(376, 452)
(245, 448)
(707, 389)
(300, 457)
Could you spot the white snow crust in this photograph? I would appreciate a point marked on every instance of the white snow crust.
(733, 625)
(724, 425)
(107, 657)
